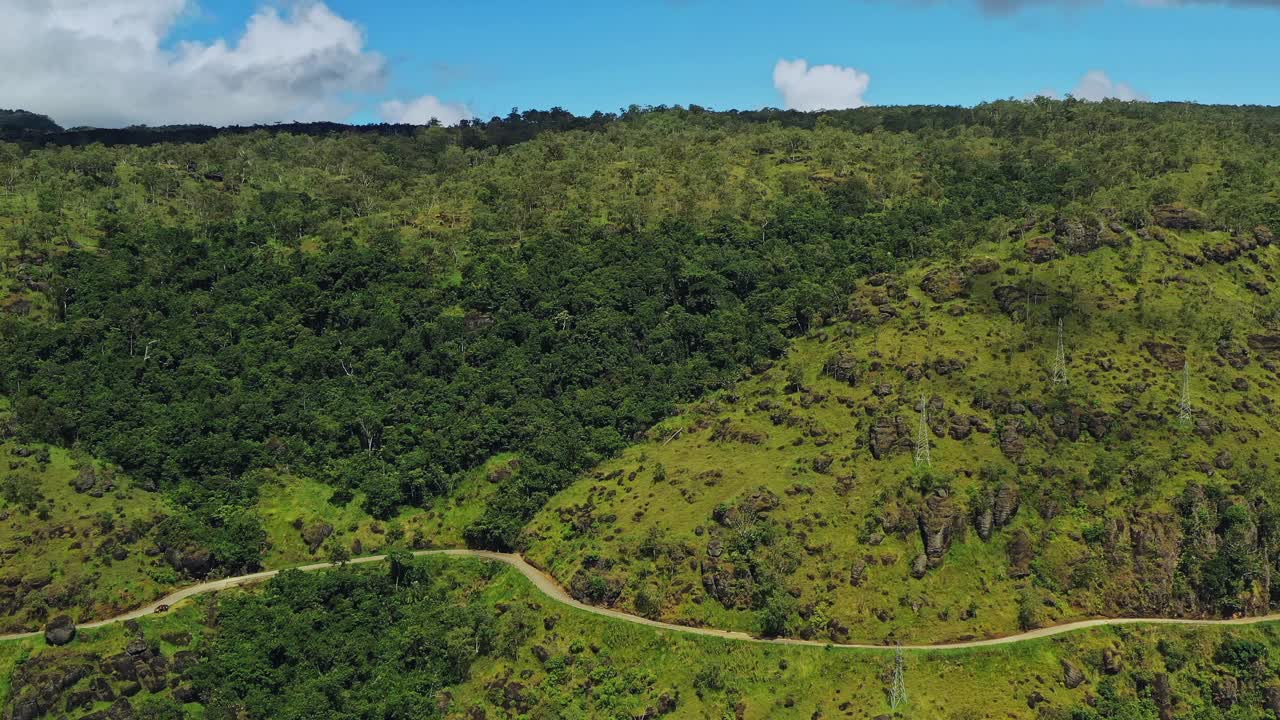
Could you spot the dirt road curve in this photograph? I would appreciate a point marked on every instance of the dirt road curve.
(552, 589)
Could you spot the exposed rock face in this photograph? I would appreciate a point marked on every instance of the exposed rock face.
(1041, 249)
(983, 266)
(1226, 691)
(842, 367)
(943, 284)
(1006, 504)
(1169, 356)
(1161, 696)
(1012, 443)
(857, 572)
(1177, 217)
(1112, 662)
(60, 630)
(1271, 699)
(1224, 460)
(315, 534)
(919, 566)
(192, 560)
(889, 433)
(1078, 238)
(936, 520)
(1020, 554)
(1072, 676)
(1265, 343)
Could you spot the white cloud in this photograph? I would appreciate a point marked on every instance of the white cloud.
(820, 87)
(1096, 85)
(110, 63)
(422, 110)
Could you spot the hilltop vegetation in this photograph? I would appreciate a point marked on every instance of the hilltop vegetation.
(795, 502)
(447, 328)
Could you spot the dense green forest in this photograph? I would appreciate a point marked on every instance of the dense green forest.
(387, 312)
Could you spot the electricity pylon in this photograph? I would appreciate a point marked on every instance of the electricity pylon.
(1060, 360)
(898, 691)
(922, 436)
(1184, 405)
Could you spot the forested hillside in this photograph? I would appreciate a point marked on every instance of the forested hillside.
(448, 330)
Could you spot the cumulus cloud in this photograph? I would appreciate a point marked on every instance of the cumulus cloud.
(1096, 85)
(819, 87)
(111, 63)
(423, 110)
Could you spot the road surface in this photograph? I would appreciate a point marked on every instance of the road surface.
(552, 589)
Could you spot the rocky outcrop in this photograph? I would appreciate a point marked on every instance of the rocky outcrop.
(1012, 443)
(1271, 699)
(889, 433)
(1078, 237)
(1175, 216)
(943, 284)
(983, 266)
(936, 521)
(60, 630)
(192, 560)
(1265, 343)
(1112, 662)
(919, 566)
(1161, 696)
(842, 367)
(1020, 554)
(1072, 676)
(315, 534)
(1041, 249)
(1169, 356)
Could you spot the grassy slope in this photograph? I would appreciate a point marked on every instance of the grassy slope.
(65, 559)
(601, 668)
(829, 519)
(64, 563)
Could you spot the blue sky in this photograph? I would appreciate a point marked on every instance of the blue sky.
(604, 55)
(485, 58)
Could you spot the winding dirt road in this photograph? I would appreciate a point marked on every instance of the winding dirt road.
(549, 587)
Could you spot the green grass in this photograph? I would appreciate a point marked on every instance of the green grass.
(1113, 299)
(59, 546)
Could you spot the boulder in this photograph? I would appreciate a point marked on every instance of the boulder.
(1041, 249)
(1005, 505)
(1161, 696)
(60, 630)
(192, 560)
(842, 367)
(943, 284)
(1224, 460)
(889, 432)
(315, 534)
(1265, 343)
(1020, 554)
(919, 566)
(1226, 691)
(1176, 216)
(1169, 356)
(1076, 237)
(1072, 676)
(983, 266)
(1271, 699)
(1112, 662)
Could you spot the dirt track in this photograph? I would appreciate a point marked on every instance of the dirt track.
(548, 586)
